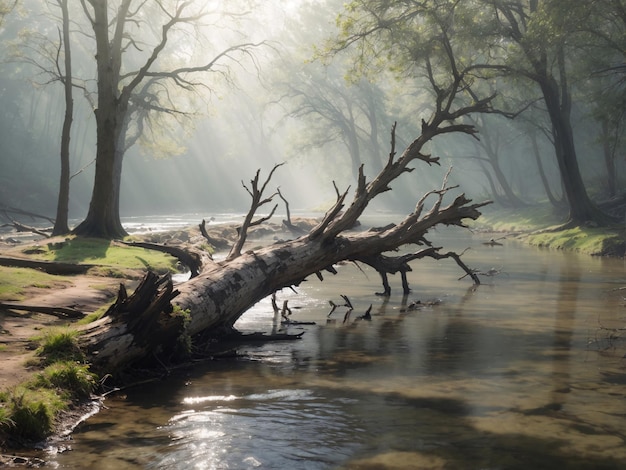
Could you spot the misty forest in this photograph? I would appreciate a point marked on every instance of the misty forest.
(366, 130)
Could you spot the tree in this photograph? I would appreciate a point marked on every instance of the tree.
(489, 152)
(61, 221)
(603, 62)
(539, 31)
(156, 315)
(122, 88)
(493, 42)
(330, 109)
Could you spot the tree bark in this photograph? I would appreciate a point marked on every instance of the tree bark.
(61, 226)
(217, 297)
(103, 218)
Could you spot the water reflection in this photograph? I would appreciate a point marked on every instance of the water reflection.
(496, 377)
(261, 430)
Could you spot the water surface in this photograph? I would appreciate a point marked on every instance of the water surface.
(521, 372)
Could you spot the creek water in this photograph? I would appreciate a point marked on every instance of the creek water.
(525, 371)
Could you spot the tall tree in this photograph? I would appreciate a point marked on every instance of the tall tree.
(116, 34)
(61, 222)
(541, 35)
(331, 109)
(512, 40)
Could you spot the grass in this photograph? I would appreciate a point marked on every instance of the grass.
(13, 281)
(93, 316)
(113, 260)
(523, 219)
(103, 253)
(71, 380)
(28, 412)
(539, 225)
(59, 345)
(591, 241)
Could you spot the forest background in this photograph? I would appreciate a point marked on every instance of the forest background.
(276, 99)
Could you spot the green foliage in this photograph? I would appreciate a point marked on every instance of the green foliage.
(70, 379)
(184, 342)
(59, 345)
(29, 413)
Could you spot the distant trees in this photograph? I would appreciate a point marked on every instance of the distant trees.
(329, 109)
(486, 45)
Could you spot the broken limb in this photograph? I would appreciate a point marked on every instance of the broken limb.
(192, 259)
(256, 194)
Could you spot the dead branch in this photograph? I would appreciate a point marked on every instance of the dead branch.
(287, 223)
(25, 228)
(60, 312)
(50, 267)
(191, 259)
(6, 210)
(216, 243)
(256, 194)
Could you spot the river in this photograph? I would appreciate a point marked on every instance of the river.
(522, 372)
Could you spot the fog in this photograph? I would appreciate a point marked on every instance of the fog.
(274, 105)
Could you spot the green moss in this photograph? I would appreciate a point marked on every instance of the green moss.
(591, 241)
(518, 220)
(539, 226)
(184, 343)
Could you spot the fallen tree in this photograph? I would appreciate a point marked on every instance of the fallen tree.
(157, 315)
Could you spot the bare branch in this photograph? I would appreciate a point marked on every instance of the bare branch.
(256, 195)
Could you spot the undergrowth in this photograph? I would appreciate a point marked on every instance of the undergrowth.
(28, 411)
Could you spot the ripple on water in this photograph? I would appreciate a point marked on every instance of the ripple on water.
(260, 430)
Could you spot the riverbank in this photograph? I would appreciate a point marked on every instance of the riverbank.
(24, 329)
(540, 227)
(91, 291)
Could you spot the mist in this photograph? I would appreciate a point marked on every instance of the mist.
(276, 105)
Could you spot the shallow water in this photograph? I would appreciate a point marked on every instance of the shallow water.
(519, 373)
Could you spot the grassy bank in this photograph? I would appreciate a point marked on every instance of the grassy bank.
(57, 375)
(29, 411)
(539, 226)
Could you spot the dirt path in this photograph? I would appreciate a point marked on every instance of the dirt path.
(17, 328)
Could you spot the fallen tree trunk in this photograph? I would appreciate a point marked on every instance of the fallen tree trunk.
(219, 296)
(157, 316)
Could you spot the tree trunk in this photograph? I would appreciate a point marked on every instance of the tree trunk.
(219, 296)
(103, 218)
(581, 208)
(157, 316)
(542, 174)
(61, 222)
